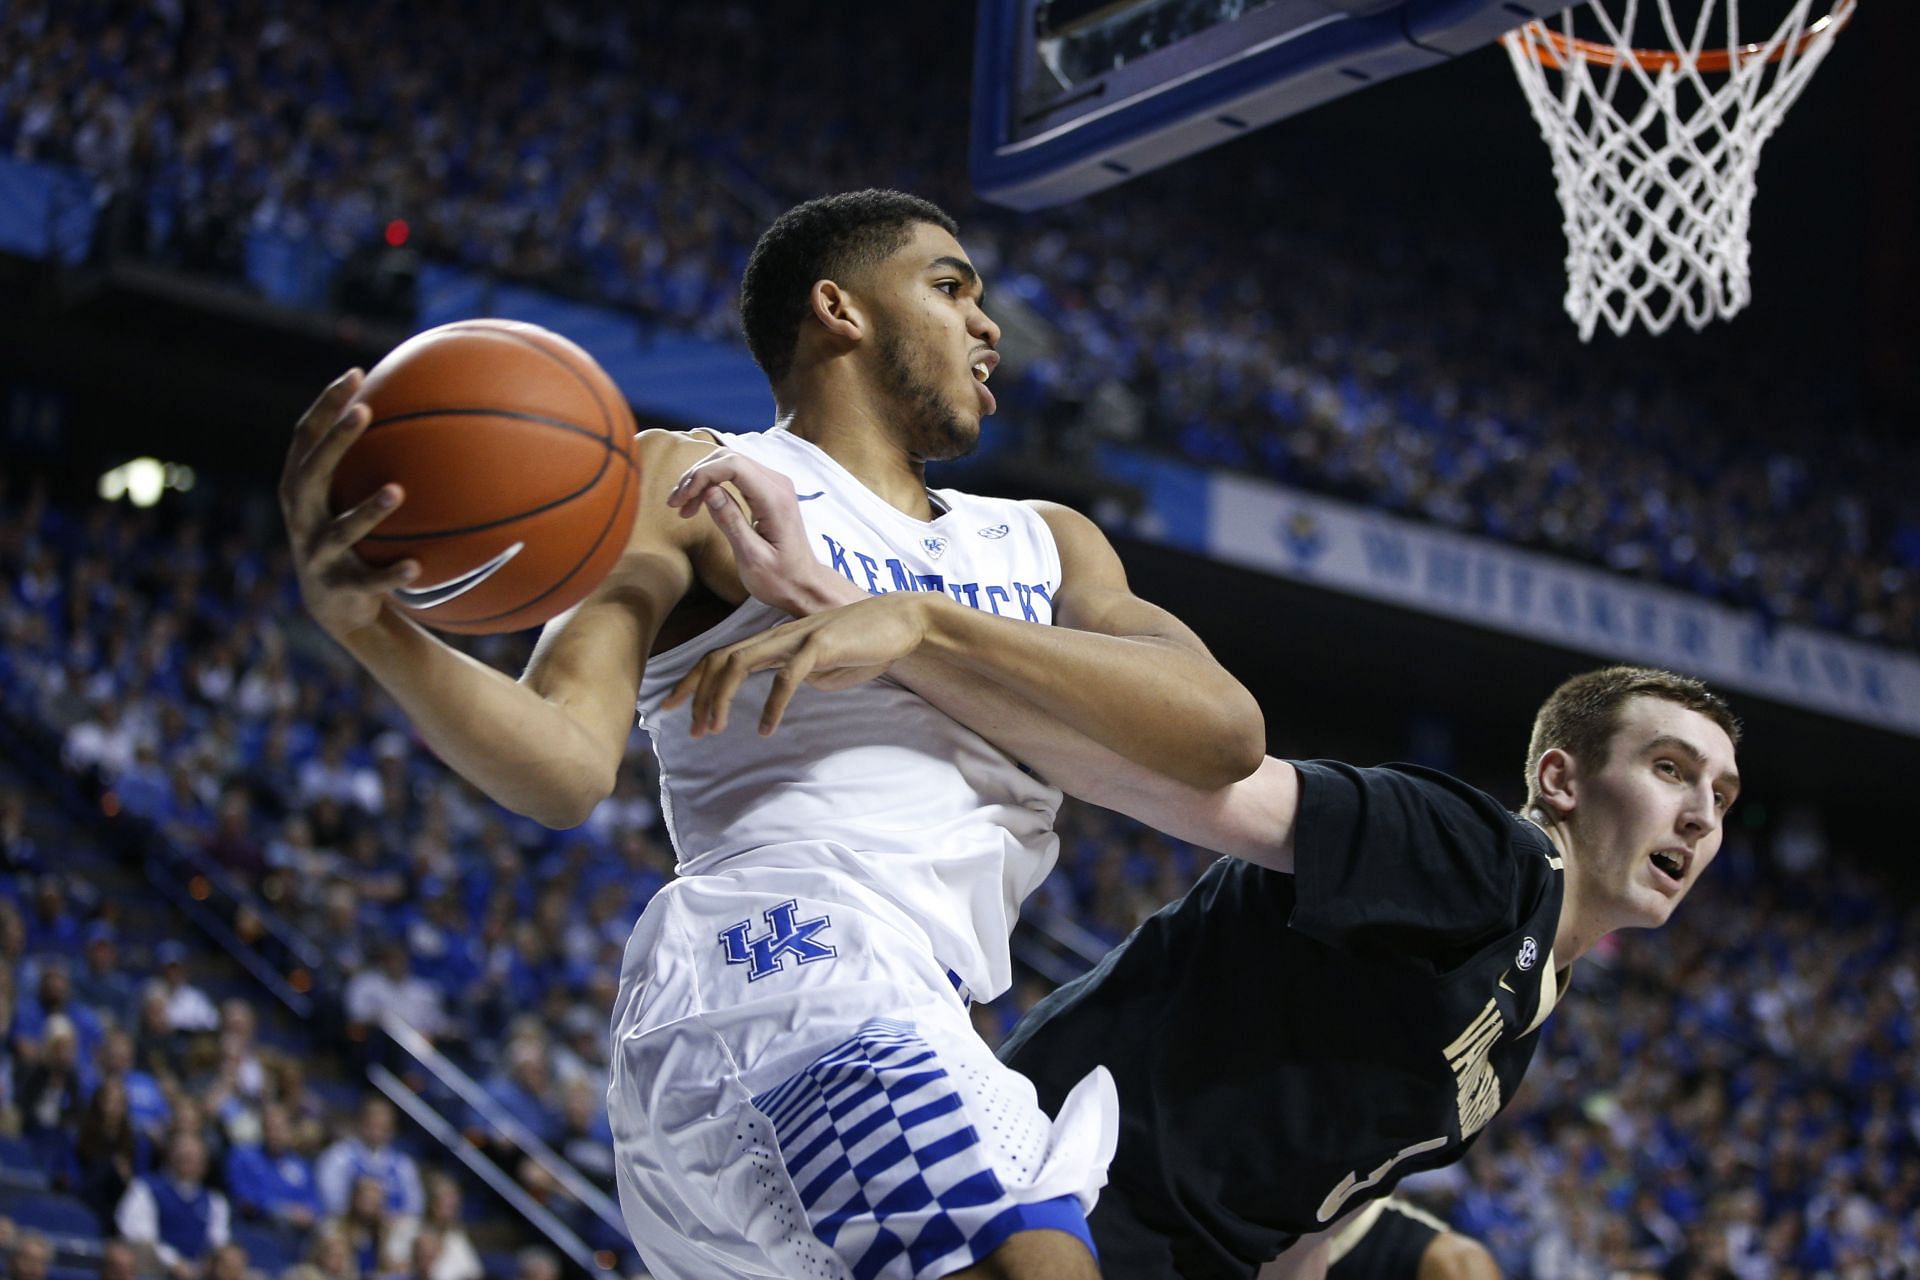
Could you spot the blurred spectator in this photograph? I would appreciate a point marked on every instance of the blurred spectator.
(237, 1031)
(173, 1212)
(232, 844)
(522, 1087)
(306, 1111)
(119, 1260)
(330, 1254)
(366, 1223)
(582, 1055)
(393, 988)
(229, 1262)
(48, 1094)
(536, 1262)
(422, 1257)
(159, 1049)
(187, 1006)
(31, 1256)
(143, 787)
(543, 1186)
(54, 999)
(369, 1152)
(147, 1105)
(272, 1178)
(105, 740)
(332, 775)
(454, 1257)
(51, 925)
(586, 1136)
(378, 875)
(101, 985)
(109, 1149)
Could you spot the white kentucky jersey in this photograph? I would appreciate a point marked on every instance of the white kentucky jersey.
(895, 805)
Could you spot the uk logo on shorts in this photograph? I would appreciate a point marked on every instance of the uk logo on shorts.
(768, 953)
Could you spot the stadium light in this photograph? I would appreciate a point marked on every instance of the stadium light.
(143, 480)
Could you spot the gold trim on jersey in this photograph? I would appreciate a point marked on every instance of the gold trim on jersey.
(1550, 990)
(1354, 1229)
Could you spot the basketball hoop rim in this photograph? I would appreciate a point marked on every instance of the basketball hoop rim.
(1552, 49)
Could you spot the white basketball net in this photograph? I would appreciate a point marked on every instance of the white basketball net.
(1655, 163)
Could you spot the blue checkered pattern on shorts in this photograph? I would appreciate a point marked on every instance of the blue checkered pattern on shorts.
(888, 1166)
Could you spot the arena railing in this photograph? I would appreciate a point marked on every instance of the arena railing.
(449, 1075)
(1057, 946)
(448, 1134)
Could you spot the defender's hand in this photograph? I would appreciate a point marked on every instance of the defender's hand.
(770, 548)
(341, 591)
(833, 650)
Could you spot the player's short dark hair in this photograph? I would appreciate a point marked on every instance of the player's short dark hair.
(1581, 715)
(825, 239)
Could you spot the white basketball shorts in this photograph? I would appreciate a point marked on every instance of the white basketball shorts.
(796, 1091)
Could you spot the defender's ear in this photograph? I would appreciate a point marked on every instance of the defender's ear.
(1555, 782)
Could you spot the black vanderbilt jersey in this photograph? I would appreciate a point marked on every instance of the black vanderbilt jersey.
(1289, 1047)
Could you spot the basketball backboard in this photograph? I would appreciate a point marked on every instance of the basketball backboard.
(1073, 96)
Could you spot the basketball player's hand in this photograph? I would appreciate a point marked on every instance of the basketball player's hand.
(769, 545)
(836, 649)
(341, 591)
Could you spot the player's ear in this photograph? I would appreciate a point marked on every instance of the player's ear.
(1554, 782)
(837, 312)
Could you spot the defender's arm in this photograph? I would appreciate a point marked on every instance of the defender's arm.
(1155, 698)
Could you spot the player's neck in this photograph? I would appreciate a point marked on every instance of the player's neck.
(1577, 932)
(855, 434)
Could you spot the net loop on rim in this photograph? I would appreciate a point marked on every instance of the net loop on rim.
(1655, 151)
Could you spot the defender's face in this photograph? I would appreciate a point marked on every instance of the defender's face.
(935, 343)
(1652, 815)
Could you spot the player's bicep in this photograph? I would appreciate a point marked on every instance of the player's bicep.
(589, 660)
(1094, 593)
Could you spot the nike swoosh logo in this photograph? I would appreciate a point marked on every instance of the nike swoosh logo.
(809, 497)
(440, 593)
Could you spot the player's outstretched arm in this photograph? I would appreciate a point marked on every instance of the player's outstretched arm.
(547, 746)
(1251, 819)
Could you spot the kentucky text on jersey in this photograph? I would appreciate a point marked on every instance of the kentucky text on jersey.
(880, 575)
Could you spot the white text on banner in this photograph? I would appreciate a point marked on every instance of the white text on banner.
(1362, 552)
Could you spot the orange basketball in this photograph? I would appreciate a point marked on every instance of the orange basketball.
(517, 456)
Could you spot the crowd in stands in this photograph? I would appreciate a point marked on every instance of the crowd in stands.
(173, 1138)
(582, 146)
(1738, 1085)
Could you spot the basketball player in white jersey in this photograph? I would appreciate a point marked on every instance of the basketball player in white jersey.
(796, 1089)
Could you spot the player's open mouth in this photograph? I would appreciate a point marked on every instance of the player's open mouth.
(982, 370)
(1669, 866)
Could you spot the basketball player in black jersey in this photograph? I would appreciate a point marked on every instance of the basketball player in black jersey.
(1394, 1239)
(1353, 993)
(1356, 995)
